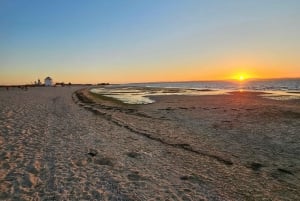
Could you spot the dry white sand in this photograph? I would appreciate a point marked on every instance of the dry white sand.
(56, 147)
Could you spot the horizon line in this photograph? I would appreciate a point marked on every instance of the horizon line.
(208, 80)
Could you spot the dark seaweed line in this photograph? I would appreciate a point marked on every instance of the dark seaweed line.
(86, 104)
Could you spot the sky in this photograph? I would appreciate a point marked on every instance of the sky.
(125, 41)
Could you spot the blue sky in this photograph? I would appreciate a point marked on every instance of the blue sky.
(147, 40)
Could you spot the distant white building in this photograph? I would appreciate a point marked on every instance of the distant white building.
(48, 82)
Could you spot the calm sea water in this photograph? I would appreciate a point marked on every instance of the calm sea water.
(141, 93)
(260, 85)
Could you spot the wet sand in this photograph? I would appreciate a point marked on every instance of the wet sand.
(60, 145)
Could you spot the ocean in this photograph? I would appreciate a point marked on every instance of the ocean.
(141, 93)
(257, 85)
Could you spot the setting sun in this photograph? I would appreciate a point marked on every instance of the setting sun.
(241, 77)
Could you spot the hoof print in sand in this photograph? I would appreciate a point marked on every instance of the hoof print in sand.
(98, 159)
(184, 178)
(255, 166)
(133, 155)
(92, 152)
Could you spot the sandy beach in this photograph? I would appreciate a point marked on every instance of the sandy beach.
(61, 143)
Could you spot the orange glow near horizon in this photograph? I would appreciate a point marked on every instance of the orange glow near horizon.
(174, 73)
